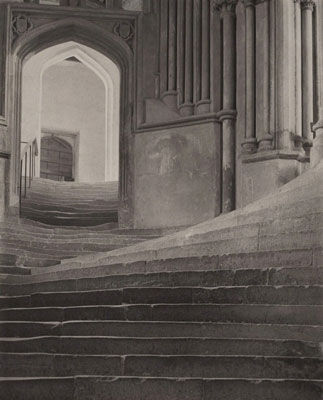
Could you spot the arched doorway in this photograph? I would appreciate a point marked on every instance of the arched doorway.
(105, 43)
(56, 159)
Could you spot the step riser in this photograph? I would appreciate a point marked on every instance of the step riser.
(299, 315)
(113, 346)
(158, 389)
(239, 295)
(176, 366)
(164, 329)
(275, 277)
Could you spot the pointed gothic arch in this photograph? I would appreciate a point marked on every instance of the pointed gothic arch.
(108, 44)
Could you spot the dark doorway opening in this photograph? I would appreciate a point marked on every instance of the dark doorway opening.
(56, 159)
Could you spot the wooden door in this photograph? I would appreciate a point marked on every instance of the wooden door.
(56, 159)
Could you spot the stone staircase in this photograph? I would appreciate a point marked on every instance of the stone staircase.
(230, 309)
(37, 245)
(70, 203)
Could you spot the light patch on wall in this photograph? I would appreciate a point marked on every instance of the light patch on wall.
(132, 5)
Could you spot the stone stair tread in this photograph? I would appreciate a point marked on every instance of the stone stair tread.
(46, 364)
(112, 345)
(159, 329)
(121, 276)
(254, 313)
(251, 294)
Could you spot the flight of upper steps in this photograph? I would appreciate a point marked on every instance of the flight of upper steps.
(70, 203)
(31, 244)
(231, 309)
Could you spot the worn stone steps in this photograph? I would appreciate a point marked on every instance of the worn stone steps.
(14, 270)
(44, 364)
(70, 220)
(281, 295)
(245, 313)
(123, 276)
(93, 244)
(160, 329)
(159, 346)
(60, 213)
(139, 388)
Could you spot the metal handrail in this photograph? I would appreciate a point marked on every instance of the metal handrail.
(27, 158)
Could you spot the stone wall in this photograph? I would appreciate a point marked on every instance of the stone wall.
(177, 175)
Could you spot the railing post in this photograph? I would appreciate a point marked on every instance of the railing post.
(20, 188)
(30, 177)
(25, 190)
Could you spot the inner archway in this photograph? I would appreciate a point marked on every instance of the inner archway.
(97, 140)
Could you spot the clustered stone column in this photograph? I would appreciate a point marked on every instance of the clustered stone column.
(307, 7)
(185, 55)
(228, 113)
(250, 143)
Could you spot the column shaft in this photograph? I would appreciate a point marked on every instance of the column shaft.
(187, 108)
(163, 45)
(180, 50)
(227, 115)
(298, 86)
(249, 144)
(307, 71)
(170, 96)
(198, 22)
(204, 104)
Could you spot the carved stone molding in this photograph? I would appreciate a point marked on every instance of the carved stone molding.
(308, 4)
(124, 29)
(225, 5)
(249, 3)
(21, 24)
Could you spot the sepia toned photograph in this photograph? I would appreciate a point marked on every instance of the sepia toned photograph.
(161, 199)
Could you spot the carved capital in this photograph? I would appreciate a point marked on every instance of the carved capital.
(225, 6)
(308, 4)
(249, 3)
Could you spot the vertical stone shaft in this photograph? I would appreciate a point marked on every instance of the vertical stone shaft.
(298, 86)
(249, 144)
(204, 104)
(229, 67)
(163, 45)
(170, 95)
(227, 115)
(187, 108)
(307, 71)
(180, 50)
(172, 46)
(197, 40)
(265, 141)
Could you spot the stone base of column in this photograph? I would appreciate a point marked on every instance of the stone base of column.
(260, 178)
(203, 107)
(249, 146)
(170, 99)
(186, 109)
(265, 143)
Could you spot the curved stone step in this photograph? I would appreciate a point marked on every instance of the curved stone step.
(147, 388)
(122, 276)
(159, 329)
(159, 346)
(263, 314)
(256, 367)
(280, 295)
